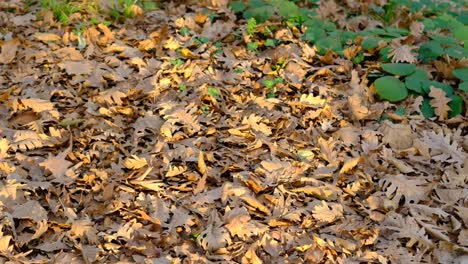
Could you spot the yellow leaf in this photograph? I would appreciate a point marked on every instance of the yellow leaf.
(134, 162)
(46, 37)
(176, 170)
(312, 100)
(350, 164)
(201, 163)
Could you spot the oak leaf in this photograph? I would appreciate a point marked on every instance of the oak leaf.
(327, 213)
(215, 236)
(439, 102)
(30, 210)
(57, 165)
(9, 50)
(134, 162)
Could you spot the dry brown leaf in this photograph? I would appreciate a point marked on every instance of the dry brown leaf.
(176, 170)
(30, 210)
(215, 236)
(440, 102)
(4, 146)
(5, 244)
(358, 109)
(323, 192)
(349, 164)
(58, 165)
(46, 37)
(327, 213)
(134, 162)
(310, 99)
(9, 50)
(402, 53)
(398, 136)
(76, 67)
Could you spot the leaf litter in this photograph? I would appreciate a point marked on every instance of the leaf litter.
(139, 143)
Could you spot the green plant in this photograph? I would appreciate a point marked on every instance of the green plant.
(252, 46)
(417, 81)
(62, 9)
(391, 89)
(131, 8)
(213, 92)
(271, 85)
(250, 28)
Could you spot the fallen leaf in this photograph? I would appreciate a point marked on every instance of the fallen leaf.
(9, 50)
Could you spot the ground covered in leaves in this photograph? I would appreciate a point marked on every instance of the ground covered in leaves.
(166, 139)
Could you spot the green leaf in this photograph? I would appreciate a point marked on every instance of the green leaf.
(328, 43)
(426, 109)
(182, 87)
(426, 85)
(414, 81)
(461, 33)
(384, 54)
(370, 43)
(252, 46)
(456, 105)
(444, 40)
(430, 50)
(401, 69)
(269, 83)
(250, 28)
(261, 14)
(71, 122)
(237, 6)
(238, 70)
(463, 86)
(270, 43)
(184, 31)
(400, 111)
(213, 92)
(313, 34)
(457, 52)
(359, 58)
(287, 9)
(461, 73)
(391, 89)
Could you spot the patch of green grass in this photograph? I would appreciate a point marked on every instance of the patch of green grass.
(131, 8)
(62, 9)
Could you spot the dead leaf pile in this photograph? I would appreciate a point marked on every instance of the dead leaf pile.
(136, 143)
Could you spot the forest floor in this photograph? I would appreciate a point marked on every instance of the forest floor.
(307, 132)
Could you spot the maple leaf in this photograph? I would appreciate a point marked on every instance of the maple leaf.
(439, 102)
